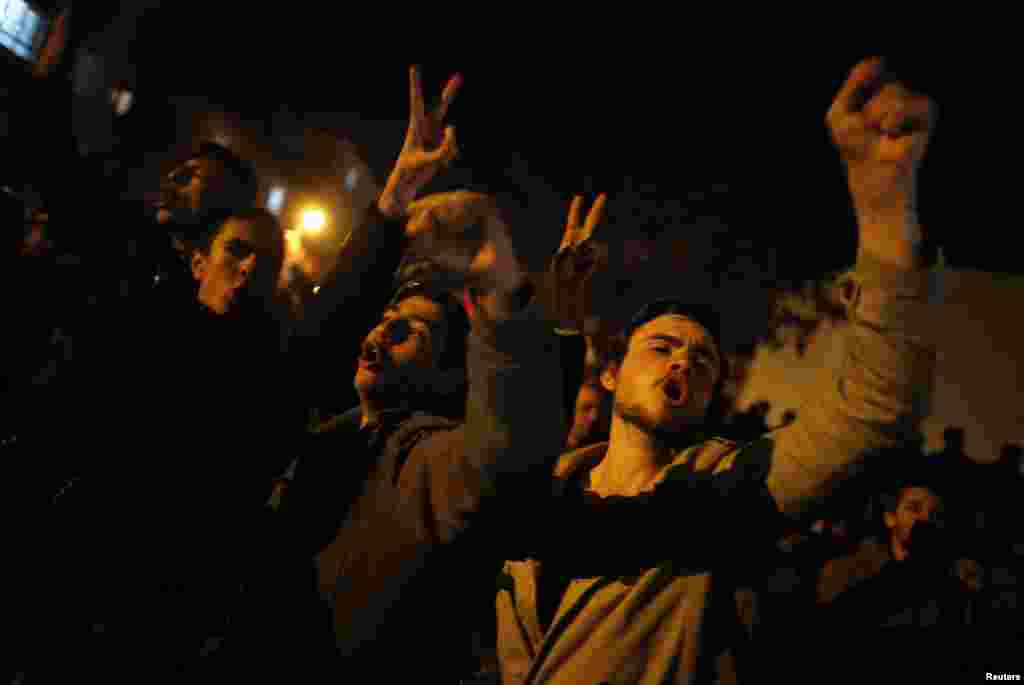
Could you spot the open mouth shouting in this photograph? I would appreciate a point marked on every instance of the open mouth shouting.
(676, 390)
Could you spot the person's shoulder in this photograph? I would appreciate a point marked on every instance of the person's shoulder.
(421, 440)
(713, 454)
(733, 467)
(425, 420)
(416, 426)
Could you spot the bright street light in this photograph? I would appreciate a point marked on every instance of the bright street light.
(313, 221)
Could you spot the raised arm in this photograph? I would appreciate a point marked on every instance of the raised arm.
(875, 399)
(514, 425)
(361, 283)
(566, 292)
(879, 394)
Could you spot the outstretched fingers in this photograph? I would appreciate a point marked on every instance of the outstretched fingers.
(594, 218)
(571, 224)
(451, 89)
(417, 110)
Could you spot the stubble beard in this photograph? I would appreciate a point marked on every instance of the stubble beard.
(672, 435)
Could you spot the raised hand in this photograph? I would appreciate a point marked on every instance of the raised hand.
(575, 234)
(464, 234)
(881, 130)
(427, 149)
(571, 270)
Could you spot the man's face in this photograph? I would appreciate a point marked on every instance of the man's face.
(915, 505)
(589, 417)
(401, 353)
(239, 269)
(195, 187)
(666, 380)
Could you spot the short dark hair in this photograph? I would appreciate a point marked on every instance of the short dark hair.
(447, 395)
(456, 321)
(242, 171)
(892, 497)
(703, 314)
(214, 224)
(907, 468)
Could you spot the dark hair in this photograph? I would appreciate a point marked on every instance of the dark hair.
(260, 218)
(447, 394)
(890, 497)
(456, 321)
(908, 468)
(703, 314)
(243, 172)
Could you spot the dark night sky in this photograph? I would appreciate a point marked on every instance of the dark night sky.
(654, 116)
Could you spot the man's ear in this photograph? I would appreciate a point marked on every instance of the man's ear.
(198, 263)
(609, 376)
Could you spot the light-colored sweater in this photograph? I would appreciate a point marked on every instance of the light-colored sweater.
(677, 621)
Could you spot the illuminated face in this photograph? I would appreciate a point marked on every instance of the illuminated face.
(192, 189)
(666, 380)
(401, 353)
(915, 505)
(589, 416)
(240, 268)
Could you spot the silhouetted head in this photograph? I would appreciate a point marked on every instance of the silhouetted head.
(212, 179)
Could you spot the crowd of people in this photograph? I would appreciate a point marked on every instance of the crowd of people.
(509, 500)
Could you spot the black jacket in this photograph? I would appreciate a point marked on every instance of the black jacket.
(184, 420)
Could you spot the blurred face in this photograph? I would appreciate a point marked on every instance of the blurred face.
(195, 187)
(915, 506)
(666, 380)
(402, 351)
(240, 268)
(590, 416)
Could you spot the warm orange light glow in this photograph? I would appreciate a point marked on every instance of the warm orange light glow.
(313, 221)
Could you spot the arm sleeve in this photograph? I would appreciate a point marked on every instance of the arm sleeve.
(511, 438)
(875, 399)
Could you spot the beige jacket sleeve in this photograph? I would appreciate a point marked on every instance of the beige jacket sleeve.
(877, 396)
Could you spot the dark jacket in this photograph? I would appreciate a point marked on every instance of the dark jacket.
(912, 617)
(184, 421)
